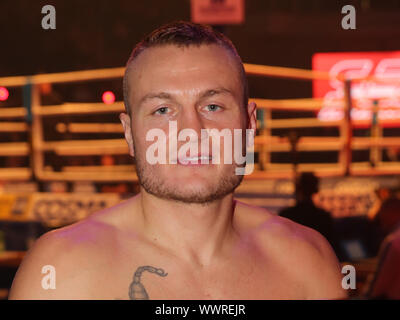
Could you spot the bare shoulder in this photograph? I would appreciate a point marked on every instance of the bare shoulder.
(301, 251)
(70, 252)
(269, 228)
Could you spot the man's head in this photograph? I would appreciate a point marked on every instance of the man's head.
(307, 185)
(175, 75)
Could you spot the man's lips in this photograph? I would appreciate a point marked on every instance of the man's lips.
(195, 160)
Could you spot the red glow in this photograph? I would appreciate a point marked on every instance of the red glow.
(108, 97)
(383, 66)
(3, 94)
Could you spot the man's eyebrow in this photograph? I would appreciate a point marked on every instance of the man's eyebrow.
(155, 95)
(169, 96)
(211, 92)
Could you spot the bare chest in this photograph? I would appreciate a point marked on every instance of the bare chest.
(249, 278)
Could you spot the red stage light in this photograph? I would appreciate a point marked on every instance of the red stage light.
(108, 97)
(3, 94)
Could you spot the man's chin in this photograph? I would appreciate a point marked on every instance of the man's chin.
(187, 195)
(194, 188)
(191, 193)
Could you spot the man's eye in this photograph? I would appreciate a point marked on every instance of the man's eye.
(213, 107)
(162, 110)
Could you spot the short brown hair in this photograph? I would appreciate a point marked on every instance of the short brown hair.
(184, 34)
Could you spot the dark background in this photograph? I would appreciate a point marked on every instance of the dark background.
(94, 34)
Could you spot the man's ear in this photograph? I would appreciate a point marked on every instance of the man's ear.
(252, 115)
(126, 123)
(252, 124)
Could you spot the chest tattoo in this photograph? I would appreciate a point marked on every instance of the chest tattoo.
(136, 289)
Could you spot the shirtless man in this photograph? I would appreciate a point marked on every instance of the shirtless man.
(183, 236)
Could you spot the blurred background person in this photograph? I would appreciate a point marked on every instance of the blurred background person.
(386, 281)
(305, 212)
(387, 217)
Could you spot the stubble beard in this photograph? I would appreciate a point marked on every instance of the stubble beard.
(226, 183)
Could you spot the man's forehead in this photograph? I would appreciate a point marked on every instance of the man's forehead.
(169, 61)
(182, 59)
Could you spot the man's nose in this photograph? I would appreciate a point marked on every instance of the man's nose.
(191, 119)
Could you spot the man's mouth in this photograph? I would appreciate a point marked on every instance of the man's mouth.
(197, 160)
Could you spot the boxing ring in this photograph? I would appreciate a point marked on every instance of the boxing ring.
(30, 118)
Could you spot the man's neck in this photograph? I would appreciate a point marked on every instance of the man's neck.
(194, 233)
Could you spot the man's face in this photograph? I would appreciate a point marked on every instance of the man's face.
(197, 88)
